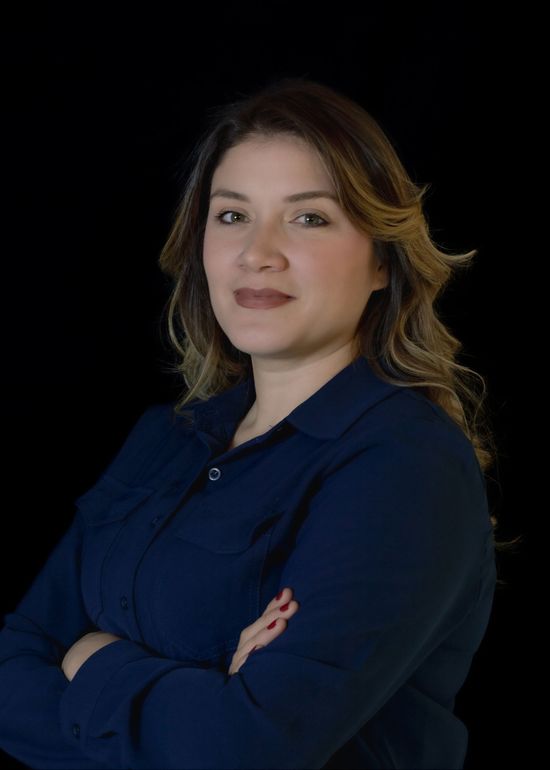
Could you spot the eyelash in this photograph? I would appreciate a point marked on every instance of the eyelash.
(306, 214)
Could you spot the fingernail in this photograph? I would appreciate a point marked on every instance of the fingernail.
(284, 607)
(272, 625)
(279, 595)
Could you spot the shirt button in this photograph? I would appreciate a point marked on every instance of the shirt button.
(76, 730)
(124, 602)
(214, 474)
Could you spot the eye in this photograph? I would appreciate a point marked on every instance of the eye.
(223, 213)
(311, 214)
(321, 222)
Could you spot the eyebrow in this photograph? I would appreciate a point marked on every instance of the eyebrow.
(301, 196)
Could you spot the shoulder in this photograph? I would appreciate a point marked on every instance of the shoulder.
(405, 466)
(155, 421)
(147, 434)
(409, 434)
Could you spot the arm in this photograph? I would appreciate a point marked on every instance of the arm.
(83, 648)
(46, 623)
(33, 642)
(386, 564)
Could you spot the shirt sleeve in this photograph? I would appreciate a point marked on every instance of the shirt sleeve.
(385, 565)
(35, 637)
(33, 643)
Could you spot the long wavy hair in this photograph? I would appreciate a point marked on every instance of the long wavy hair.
(399, 332)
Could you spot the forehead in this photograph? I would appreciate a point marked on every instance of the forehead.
(280, 154)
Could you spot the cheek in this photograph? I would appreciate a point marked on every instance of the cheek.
(353, 271)
(212, 262)
(337, 280)
(210, 248)
(206, 254)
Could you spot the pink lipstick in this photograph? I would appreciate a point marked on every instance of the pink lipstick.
(261, 299)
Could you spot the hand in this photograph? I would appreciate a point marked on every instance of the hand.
(258, 635)
(81, 650)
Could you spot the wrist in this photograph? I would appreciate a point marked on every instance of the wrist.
(83, 649)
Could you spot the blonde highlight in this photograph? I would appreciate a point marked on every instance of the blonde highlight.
(400, 331)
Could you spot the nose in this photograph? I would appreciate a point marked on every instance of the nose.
(262, 250)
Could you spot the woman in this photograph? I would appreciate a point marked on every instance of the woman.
(320, 500)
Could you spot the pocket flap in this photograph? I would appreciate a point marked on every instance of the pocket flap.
(110, 500)
(222, 531)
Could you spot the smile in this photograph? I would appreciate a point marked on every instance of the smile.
(262, 303)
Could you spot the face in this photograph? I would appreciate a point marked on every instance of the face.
(307, 249)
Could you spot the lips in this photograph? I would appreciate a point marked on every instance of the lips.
(261, 298)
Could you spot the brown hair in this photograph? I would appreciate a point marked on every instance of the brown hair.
(399, 332)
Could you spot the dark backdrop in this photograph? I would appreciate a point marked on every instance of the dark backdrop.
(101, 107)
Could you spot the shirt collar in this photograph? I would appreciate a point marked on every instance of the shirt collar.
(326, 414)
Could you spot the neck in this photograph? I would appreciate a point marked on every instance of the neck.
(282, 385)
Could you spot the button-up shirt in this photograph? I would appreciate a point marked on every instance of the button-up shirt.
(367, 500)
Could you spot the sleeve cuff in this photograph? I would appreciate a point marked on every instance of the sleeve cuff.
(82, 692)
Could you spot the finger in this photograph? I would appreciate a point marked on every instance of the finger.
(284, 597)
(276, 624)
(248, 632)
(240, 659)
(285, 610)
(263, 636)
(261, 639)
(285, 600)
(267, 634)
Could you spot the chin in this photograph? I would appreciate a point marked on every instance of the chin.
(261, 339)
(260, 350)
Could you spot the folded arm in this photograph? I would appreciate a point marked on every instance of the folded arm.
(33, 643)
(384, 566)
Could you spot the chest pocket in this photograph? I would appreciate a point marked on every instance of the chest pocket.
(104, 509)
(215, 558)
(222, 530)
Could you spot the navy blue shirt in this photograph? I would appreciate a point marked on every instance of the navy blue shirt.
(367, 500)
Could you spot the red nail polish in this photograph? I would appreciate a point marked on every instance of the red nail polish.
(279, 595)
(284, 607)
(272, 625)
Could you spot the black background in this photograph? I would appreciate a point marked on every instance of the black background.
(101, 106)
